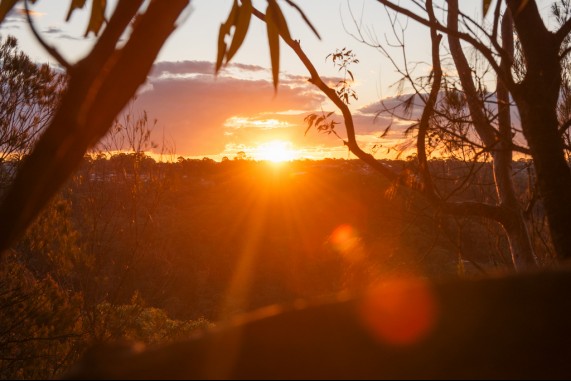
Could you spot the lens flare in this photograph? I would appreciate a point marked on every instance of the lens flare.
(346, 241)
(400, 311)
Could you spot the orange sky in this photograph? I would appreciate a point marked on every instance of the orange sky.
(202, 115)
(232, 113)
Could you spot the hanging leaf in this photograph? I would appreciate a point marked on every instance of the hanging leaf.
(279, 19)
(224, 31)
(221, 52)
(5, 7)
(97, 17)
(485, 6)
(244, 14)
(309, 120)
(274, 41)
(75, 4)
(387, 129)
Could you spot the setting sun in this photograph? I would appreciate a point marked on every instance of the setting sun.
(276, 151)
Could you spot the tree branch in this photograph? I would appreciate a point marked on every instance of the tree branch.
(86, 112)
(50, 49)
(563, 31)
(430, 104)
(483, 128)
(482, 48)
(492, 212)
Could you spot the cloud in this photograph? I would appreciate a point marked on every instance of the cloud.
(246, 67)
(188, 68)
(208, 115)
(53, 30)
(17, 17)
(181, 67)
(195, 109)
(13, 22)
(396, 105)
(23, 12)
(59, 33)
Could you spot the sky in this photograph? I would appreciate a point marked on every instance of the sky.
(199, 114)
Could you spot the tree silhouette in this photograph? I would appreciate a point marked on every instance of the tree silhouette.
(28, 95)
(93, 99)
(536, 93)
(535, 83)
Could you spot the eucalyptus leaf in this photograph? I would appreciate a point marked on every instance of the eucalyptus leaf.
(75, 4)
(244, 14)
(274, 42)
(97, 17)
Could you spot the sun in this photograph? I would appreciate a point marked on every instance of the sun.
(276, 151)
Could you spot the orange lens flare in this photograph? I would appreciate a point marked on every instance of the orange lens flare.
(346, 241)
(401, 311)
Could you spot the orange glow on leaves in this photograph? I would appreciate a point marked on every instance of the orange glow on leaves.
(401, 311)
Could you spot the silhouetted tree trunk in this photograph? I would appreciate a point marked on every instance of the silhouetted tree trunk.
(536, 97)
(512, 219)
(88, 107)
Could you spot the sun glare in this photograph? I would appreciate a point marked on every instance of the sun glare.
(276, 151)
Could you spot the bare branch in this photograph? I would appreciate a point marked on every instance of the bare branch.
(482, 48)
(484, 130)
(563, 31)
(50, 49)
(430, 103)
(456, 208)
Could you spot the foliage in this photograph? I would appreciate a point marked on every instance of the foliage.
(134, 322)
(41, 333)
(47, 311)
(238, 21)
(51, 247)
(28, 94)
(343, 59)
(321, 122)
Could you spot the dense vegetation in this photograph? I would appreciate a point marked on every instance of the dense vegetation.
(150, 251)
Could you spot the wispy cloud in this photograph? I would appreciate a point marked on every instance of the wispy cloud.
(196, 107)
(190, 68)
(16, 18)
(205, 115)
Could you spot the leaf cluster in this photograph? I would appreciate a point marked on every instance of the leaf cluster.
(342, 59)
(28, 94)
(321, 122)
(236, 27)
